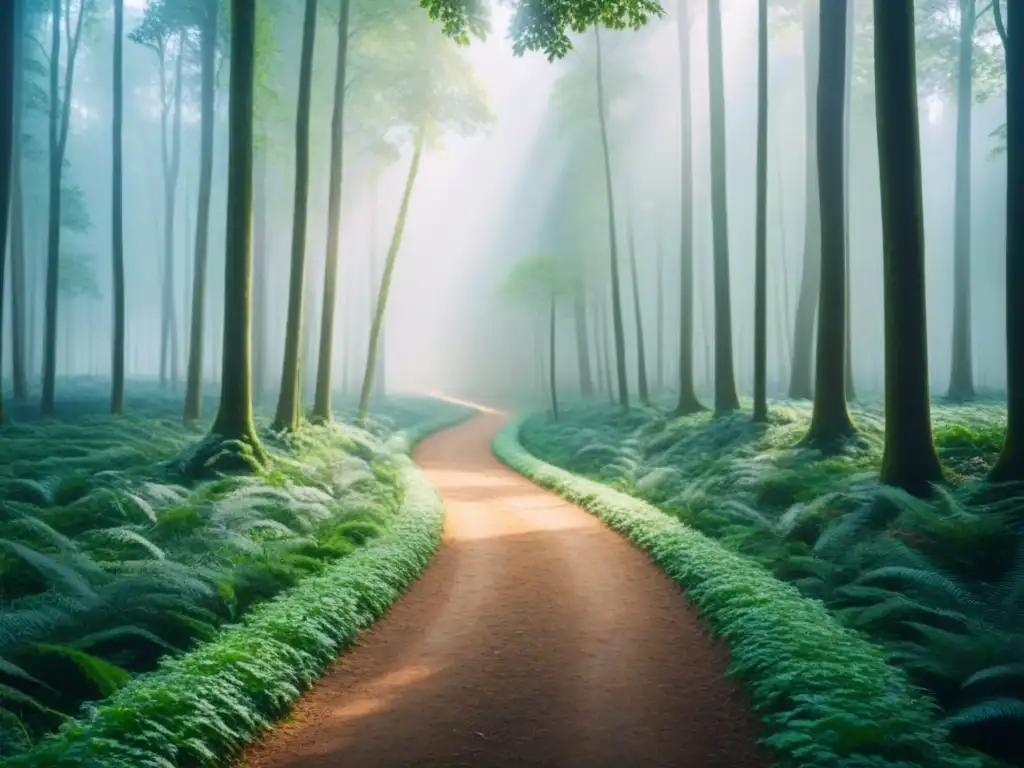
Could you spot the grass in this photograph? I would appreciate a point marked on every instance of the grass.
(109, 566)
(938, 585)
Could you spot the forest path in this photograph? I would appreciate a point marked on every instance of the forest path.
(537, 637)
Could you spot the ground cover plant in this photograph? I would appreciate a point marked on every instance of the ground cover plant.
(110, 561)
(938, 583)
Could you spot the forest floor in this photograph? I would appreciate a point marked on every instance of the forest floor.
(536, 637)
(938, 583)
(110, 563)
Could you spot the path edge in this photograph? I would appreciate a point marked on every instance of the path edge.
(203, 707)
(825, 696)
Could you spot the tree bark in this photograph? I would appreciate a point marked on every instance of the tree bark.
(961, 377)
(726, 398)
(1010, 465)
(761, 223)
(194, 384)
(659, 327)
(59, 120)
(688, 402)
(617, 325)
(552, 346)
(8, 32)
(385, 282)
(171, 165)
(289, 397)
(830, 420)
(261, 303)
(810, 278)
(19, 370)
(909, 460)
(851, 394)
(117, 216)
(322, 397)
(641, 358)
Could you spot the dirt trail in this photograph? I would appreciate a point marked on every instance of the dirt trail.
(536, 638)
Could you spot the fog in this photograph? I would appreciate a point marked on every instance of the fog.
(531, 181)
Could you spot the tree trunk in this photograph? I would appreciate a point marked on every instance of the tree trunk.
(641, 360)
(619, 331)
(1010, 465)
(579, 309)
(807, 300)
(726, 398)
(172, 164)
(19, 371)
(289, 397)
(117, 216)
(761, 223)
(194, 385)
(659, 326)
(8, 32)
(385, 282)
(379, 383)
(830, 419)
(595, 330)
(961, 379)
(551, 364)
(322, 398)
(602, 326)
(261, 304)
(233, 423)
(59, 120)
(851, 394)
(909, 460)
(688, 402)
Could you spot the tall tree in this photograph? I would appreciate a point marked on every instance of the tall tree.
(810, 277)
(233, 442)
(830, 419)
(726, 398)
(638, 319)
(59, 122)
(909, 459)
(325, 361)
(8, 31)
(847, 127)
(761, 223)
(287, 416)
(19, 367)
(208, 73)
(117, 215)
(688, 402)
(1010, 465)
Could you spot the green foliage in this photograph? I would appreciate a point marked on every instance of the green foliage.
(203, 707)
(107, 566)
(889, 565)
(536, 279)
(542, 25)
(826, 696)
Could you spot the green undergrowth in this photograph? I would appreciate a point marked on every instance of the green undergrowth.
(201, 708)
(109, 565)
(827, 696)
(938, 583)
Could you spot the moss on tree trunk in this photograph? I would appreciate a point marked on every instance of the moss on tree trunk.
(909, 460)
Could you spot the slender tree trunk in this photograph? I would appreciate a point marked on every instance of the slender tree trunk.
(579, 309)
(385, 283)
(851, 394)
(380, 385)
(659, 371)
(619, 330)
(641, 360)
(19, 372)
(287, 417)
(599, 362)
(8, 31)
(552, 357)
(830, 419)
(961, 378)
(322, 398)
(602, 325)
(726, 398)
(117, 216)
(261, 303)
(688, 402)
(233, 422)
(807, 299)
(172, 164)
(909, 460)
(761, 223)
(60, 119)
(1010, 465)
(194, 384)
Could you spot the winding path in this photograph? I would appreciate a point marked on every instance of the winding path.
(536, 638)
